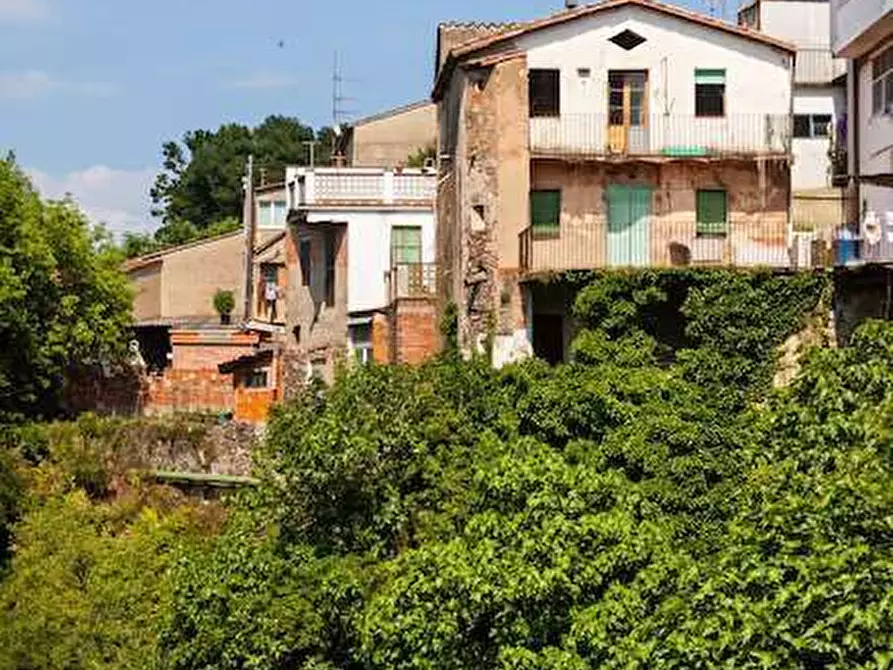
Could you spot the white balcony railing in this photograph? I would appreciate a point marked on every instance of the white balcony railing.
(670, 135)
(309, 187)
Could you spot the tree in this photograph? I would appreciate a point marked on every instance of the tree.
(64, 302)
(201, 177)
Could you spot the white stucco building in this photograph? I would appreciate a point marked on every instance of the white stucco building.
(862, 32)
(362, 239)
(819, 84)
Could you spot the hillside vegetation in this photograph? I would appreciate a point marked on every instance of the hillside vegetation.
(654, 504)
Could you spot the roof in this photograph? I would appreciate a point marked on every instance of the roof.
(272, 186)
(452, 34)
(155, 256)
(396, 111)
(584, 11)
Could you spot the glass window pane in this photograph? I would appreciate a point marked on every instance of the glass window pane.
(801, 125)
(406, 244)
(265, 214)
(877, 97)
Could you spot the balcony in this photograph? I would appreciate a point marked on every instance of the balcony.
(328, 187)
(668, 242)
(412, 280)
(818, 66)
(668, 136)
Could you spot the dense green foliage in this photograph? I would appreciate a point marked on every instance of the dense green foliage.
(655, 503)
(63, 300)
(201, 178)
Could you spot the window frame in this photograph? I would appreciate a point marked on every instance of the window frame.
(541, 230)
(711, 229)
(812, 124)
(398, 247)
(882, 83)
(538, 107)
(252, 376)
(702, 88)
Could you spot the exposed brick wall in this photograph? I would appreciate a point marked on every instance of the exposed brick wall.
(253, 405)
(416, 338)
(205, 350)
(189, 391)
(381, 339)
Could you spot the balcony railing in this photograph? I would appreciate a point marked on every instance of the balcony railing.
(668, 135)
(308, 187)
(413, 280)
(747, 242)
(817, 65)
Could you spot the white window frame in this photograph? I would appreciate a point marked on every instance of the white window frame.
(882, 83)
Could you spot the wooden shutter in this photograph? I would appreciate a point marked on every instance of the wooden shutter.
(545, 212)
(712, 212)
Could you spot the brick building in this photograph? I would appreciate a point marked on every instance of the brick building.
(627, 133)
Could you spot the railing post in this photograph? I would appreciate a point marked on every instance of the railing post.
(388, 186)
(309, 188)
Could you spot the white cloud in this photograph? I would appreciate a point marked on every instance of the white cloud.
(23, 10)
(37, 83)
(263, 80)
(117, 198)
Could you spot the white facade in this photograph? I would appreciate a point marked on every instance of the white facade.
(757, 81)
(862, 31)
(819, 88)
(371, 203)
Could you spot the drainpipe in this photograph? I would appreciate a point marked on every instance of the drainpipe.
(249, 224)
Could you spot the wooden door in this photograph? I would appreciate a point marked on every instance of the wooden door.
(627, 113)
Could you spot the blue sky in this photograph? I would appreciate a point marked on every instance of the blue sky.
(90, 89)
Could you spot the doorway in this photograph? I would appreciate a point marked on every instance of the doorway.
(627, 111)
(548, 337)
(629, 223)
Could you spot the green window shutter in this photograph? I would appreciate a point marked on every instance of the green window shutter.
(712, 213)
(406, 244)
(545, 212)
(703, 76)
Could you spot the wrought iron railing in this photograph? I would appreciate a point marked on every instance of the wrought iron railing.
(669, 135)
(413, 280)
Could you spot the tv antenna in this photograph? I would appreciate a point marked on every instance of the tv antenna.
(339, 111)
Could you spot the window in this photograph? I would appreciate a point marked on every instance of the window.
(882, 82)
(712, 213)
(331, 253)
(361, 342)
(545, 213)
(271, 214)
(270, 273)
(812, 125)
(257, 379)
(406, 245)
(305, 262)
(544, 91)
(627, 39)
(710, 92)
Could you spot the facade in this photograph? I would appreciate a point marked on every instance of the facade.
(388, 139)
(862, 32)
(622, 134)
(819, 84)
(361, 252)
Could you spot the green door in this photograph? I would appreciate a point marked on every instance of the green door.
(629, 214)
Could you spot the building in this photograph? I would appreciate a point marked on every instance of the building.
(388, 139)
(623, 134)
(182, 338)
(818, 173)
(862, 32)
(361, 251)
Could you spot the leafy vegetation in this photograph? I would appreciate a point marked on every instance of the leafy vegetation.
(655, 503)
(63, 300)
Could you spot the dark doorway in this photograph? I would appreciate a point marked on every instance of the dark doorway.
(548, 337)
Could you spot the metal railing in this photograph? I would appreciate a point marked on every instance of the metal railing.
(413, 280)
(817, 65)
(669, 135)
(679, 242)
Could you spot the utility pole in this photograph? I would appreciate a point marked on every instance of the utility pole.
(249, 223)
(312, 145)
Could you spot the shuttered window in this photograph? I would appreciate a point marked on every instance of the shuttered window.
(544, 91)
(406, 245)
(712, 212)
(545, 212)
(710, 92)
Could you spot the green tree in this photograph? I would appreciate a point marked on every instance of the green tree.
(201, 177)
(63, 300)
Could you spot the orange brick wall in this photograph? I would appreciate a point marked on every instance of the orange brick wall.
(416, 338)
(253, 405)
(381, 339)
(189, 391)
(206, 356)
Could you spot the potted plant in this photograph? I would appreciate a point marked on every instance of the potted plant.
(224, 302)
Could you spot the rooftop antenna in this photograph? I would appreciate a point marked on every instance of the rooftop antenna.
(339, 111)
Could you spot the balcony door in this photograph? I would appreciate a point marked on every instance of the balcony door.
(629, 219)
(627, 111)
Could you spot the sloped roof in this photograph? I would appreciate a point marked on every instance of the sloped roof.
(470, 48)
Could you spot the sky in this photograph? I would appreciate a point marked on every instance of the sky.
(91, 89)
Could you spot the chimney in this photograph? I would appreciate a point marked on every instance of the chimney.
(571, 4)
